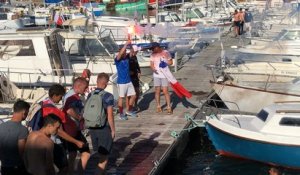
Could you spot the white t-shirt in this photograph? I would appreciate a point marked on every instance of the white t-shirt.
(156, 58)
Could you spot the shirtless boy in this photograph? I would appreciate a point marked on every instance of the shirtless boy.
(38, 155)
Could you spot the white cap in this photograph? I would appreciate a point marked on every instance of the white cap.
(136, 48)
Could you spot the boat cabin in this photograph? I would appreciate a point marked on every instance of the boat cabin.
(279, 118)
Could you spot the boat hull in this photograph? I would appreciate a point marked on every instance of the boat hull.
(242, 147)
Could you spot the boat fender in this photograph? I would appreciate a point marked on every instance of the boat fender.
(220, 79)
(4, 86)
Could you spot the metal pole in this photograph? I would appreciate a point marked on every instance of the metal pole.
(148, 20)
(156, 15)
(175, 62)
(298, 14)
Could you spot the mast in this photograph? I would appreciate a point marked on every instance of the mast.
(148, 20)
(156, 15)
(298, 14)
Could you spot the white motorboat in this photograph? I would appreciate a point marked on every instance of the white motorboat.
(39, 58)
(271, 136)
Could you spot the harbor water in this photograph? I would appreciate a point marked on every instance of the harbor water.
(201, 158)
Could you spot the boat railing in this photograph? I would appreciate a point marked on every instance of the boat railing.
(31, 73)
(264, 84)
(212, 108)
(226, 70)
(180, 60)
(272, 64)
(215, 107)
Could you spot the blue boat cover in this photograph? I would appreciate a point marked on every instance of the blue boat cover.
(52, 1)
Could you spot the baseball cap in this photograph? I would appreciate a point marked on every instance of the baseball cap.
(154, 44)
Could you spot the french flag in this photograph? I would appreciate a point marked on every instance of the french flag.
(58, 19)
(176, 86)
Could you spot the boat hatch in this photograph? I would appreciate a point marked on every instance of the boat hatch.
(289, 121)
(263, 115)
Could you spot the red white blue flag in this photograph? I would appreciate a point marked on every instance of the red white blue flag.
(177, 87)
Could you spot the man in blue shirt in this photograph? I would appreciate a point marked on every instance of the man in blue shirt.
(125, 85)
(248, 19)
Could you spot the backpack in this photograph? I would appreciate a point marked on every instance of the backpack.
(94, 114)
(34, 119)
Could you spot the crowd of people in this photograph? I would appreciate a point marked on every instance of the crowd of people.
(49, 143)
(52, 137)
(242, 19)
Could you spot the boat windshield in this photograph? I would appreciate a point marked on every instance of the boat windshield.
(292, 35)
(175, 17)
(263, 115)
(109, 44)
(87, 47)
(92, 47)
(198, 13)
(288, 35)
(17, 47)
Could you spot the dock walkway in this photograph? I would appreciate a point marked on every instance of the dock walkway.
(142, 144)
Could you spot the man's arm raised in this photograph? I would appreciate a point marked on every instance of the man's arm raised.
(119, 56)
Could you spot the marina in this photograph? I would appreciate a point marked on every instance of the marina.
(244, 86)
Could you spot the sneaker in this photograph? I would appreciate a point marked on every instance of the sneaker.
(131, 113)
(123, 117)
(136, 109)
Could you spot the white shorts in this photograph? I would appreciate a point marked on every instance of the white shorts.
(248, 25)
(126, 89)
(160, 82)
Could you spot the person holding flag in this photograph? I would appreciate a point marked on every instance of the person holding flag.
(160, 81)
